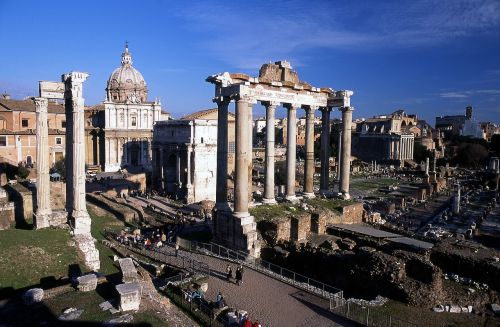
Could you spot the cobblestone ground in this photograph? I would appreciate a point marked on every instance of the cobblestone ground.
(266, 299)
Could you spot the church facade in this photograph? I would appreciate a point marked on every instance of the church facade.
(120, 130)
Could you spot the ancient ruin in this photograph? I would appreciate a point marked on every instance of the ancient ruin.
(277, 84)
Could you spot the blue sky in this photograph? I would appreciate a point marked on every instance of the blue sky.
(430, 57)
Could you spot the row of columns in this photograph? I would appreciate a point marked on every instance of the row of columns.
(162, 168)
(243, 152)
(406, 148)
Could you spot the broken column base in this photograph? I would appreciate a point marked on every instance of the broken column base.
(50, 219)
(269, 201)
(87, 283)
(346, 196)
(236, 231)
(130, 296)
(86, 245)
(308, 195)
(80, 222)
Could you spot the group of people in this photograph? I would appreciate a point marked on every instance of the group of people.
(238, 274)
(149, 239)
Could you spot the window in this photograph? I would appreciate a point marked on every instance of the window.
(24, 123)
(63, 124)
(58, 140)
(202, 140)
(3, 140)
(134, 121)
(231, 147)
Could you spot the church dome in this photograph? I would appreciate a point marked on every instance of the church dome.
(126, 83)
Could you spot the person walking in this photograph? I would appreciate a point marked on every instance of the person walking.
(229, 273)
(238, 275)
(177, 247)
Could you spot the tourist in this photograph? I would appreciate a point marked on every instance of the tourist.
(229, 273)
(220, 302)
(239, 275)
(256, 324)
(247, 322)
(147, 243)
(163, 238)
(176, 247)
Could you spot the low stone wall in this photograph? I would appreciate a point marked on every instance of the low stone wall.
(122, 212)
(23, 202)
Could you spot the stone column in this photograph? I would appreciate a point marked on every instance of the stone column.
(270, 137)
(250, 151)
(162, 173)
(178, 169)
(427, 166)
(74, 103)
(291, 148)
(189, 186)
(43, 210)
(241, 158)
(222, 152)
(325, 150)
(309, 167)
(339, 158)
(345, 169)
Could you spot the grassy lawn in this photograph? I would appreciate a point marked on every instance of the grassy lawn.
(31, 256)
(371, 184)
(270, 212)
(331, 204)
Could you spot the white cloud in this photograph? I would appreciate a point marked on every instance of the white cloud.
(246, 34)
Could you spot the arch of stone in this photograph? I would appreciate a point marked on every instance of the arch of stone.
(276, 85)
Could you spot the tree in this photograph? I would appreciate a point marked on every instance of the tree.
(470, 155)
(420, 153)
(60, 167)
(22, 172)
(495, 144)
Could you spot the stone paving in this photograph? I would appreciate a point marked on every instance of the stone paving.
(272, 302)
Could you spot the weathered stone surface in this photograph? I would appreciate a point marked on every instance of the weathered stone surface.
(130, 296)
(71, 314)
(300, 227)
(126, 318)
(129, 272)
(33, 296)
(86, 245)
(87, 283)
(352, 214)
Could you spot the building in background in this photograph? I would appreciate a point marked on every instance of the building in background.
(18, 131)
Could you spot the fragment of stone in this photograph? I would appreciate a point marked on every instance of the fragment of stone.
(130, 296)
(126, 318)
(71, 314)
(33, 296)
(87, 283)
(129, 272)
(496, 308)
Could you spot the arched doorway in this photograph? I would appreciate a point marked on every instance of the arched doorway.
(135, 152)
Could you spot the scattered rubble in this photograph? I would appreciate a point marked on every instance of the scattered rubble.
(87, 283)
(71, 314)
(33, 296)
(452, 308)
(377, 302)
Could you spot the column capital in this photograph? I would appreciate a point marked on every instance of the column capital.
(41, 104)
(221, 100)
(242, 98)
(327, 109)
(272, 104)
(291, 106)
(342, 109)
(310, 109)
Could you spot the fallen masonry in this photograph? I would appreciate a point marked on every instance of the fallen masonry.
(87, 283)
(130, 296)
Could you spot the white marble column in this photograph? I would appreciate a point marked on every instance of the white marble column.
(270, 138)
(345, 170)
(325, 150)
(74, 103)
(291, 148)
(43, 210)
(178, 169)
(241, 158)
(162, 171)
(309, 167)
(189, 186)
(250, 151)
(222, 152)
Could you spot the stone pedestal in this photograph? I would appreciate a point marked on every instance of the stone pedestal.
(129, 272)
(86, 245)
(130, 296)
(87, 283)
(239, 233)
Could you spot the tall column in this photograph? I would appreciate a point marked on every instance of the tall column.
(250, 151)
(427, 166)
(178, 169)
(339, 158)
(270, 136)
(189, 186)
(222, 152)
(43, 210)
(74, 104)
(162, 172)
(345, 169)
(309, 164)
(241, 158)
(291, 148)
(325, 150)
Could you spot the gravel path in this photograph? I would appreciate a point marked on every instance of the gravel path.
(272, 302)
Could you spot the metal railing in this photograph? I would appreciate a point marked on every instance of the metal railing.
(285, 275)
(368, 316)
(199, 310)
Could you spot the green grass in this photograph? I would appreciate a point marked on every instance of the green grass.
(271, 212)
(27, 256)
(371, 184)
(331, 204)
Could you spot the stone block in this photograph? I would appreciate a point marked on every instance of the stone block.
(318, 223)
(33, 296)
(87, 283)
(130, 296)
(129, 272)
(300, 227)
(86, 245)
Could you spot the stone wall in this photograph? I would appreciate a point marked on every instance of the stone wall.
(300, 227)
(352, 214)
(23, 202)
